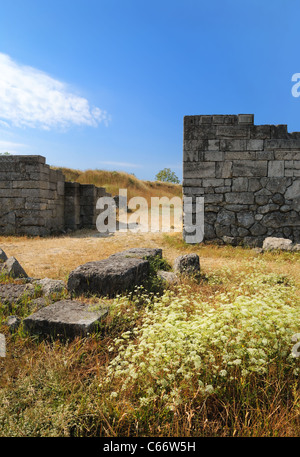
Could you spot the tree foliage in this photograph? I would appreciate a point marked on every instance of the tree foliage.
(166, 175)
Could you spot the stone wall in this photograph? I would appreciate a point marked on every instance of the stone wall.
(249, 176)
(36, 200)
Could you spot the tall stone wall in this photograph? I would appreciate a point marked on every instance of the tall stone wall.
(249, 176)
(35, 199)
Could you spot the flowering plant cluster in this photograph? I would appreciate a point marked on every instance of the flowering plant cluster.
(185, 344)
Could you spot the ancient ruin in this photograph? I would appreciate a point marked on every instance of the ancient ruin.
(249, 176)
(36, 200)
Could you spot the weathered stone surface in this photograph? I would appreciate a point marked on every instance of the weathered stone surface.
(260, 167)
(66, 318)
(15, 293)
(140, 253)
(245, 219)
(272, 243)
(3, 256)
(11, 267)
(13, 322)
(50, 286)
(168, 276)
(36, 201)
(188, 264)
(110, 276)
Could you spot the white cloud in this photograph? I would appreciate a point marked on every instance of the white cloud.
(11, 147)
(31, 98)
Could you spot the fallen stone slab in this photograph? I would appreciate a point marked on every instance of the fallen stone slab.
(65, 318)
(15, 293)
(168, 276)
(140, 253)
(11, 267)
(108, 277)
(188, 264)
(3, 256)
(273, 243)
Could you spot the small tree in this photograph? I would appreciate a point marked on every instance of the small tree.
(166, 175)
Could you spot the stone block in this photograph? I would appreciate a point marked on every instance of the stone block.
(260, 132)
(223, 169)
(255, 145)
(193, 191)
(282, 144)
(265, 155)
(213, 145)
(276, 169)
(191, 155)
(246, 198)
(233, 145)
(213, 156)
(240, 184)
(232, 131)
(109, 276)
(240, 155)
(65, 318)
(213, 198)
(245, 168)
(199, 170)
(188, 264)
(246, 118)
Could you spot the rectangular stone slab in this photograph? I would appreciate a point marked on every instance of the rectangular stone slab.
(109, 276)
(65, 318)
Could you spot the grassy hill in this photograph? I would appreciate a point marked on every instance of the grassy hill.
(115, 180)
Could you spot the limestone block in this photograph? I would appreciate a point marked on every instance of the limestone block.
(248, 168)
(276, 169)
(188, 264)
(191, 155)
(233, 145)
(211, 156)
(282, 144)
(213, 198)
(109, 276)
(265, 155)
(232, 131)
(65, 318)
(271, 243)
(240, 184)
(240, 155)
(199, 170)
(240, 198)
(12, 268)
(246, 118)
(260, 132)
(223, 169)
(293, 191)
(255, 145)
(213, 145)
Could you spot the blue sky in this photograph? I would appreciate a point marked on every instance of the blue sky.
(106, 83)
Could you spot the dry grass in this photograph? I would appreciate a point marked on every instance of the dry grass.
(52, 388)
(55, 257)
(115, 180)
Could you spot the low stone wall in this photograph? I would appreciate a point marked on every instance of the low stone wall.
(36, 200)
(249, 176)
